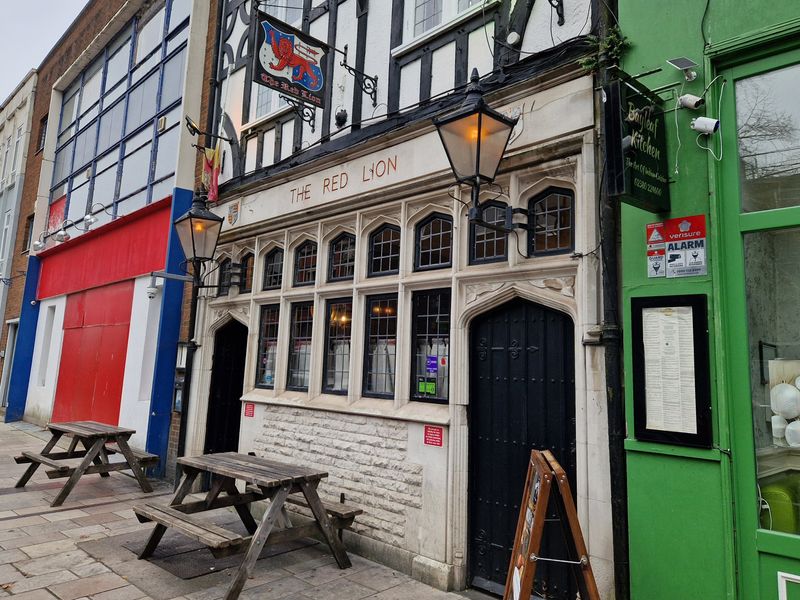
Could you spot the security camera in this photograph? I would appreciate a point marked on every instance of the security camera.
(705, 125)
(151, 291)
(691, 101)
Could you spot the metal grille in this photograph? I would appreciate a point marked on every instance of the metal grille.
(552, 222)
(300, 345)
(246, 267)
(384, 251)
(267, 346)
(431, 346)
(305, 263)
(342, 257)
(273, 270)
(224, 285)
(489, 245)
(337, 346)
(434, 243)
(381, 346)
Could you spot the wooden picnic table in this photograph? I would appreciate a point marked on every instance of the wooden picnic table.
(99, 440)
(265, 480)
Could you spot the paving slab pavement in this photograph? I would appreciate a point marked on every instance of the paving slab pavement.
(78, 551)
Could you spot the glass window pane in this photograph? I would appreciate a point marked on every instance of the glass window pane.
(224, 277)
(434, 243)
(91, 85)
(69, 110)
(427, 15)
(78, 198)
(111, 127)
(135, 170)
(305, 264)
(267, 346)
(167, 153)
(162, 189)
(273, 270)
(300, 346)
(177, 39)
(149, 35)
(342, 258)
(246, 273)
(178, 13)
(84, 146)
(104, 184)
(431, 346)
(63, 162)
(552, 223)
(118, 64)
(142, 103)
(381, 346)
(132, 204)
(384, 251)
(172, 88)
(337, 346)
(768, 132)
(487, 244)
(770, 259)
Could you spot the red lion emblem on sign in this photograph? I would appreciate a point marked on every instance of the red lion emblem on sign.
(285, 54)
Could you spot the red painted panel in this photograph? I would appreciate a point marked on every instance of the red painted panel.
(130, 246)
(56, 215)
(90, 376)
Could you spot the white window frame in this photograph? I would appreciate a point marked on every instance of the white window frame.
(451, 18)
(17, 144)
(4, 242)
(6, 152)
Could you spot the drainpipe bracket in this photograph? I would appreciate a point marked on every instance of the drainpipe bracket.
(593, 337)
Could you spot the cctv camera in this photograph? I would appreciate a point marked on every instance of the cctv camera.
(151, 291)
(691, 101)
(705, 125)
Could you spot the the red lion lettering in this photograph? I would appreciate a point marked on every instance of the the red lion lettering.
(284, 53)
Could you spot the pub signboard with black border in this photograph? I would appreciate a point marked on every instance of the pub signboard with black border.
(290, 61)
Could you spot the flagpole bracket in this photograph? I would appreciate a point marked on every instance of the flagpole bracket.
(306, 113)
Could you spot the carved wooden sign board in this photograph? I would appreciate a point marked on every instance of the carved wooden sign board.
(543, 472)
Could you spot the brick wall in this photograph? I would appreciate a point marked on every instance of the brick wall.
(82, 31)
(365, 457)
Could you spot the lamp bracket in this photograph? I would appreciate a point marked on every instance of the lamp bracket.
(306, 113)
(476, 218)
(559, 6)
(367, 83)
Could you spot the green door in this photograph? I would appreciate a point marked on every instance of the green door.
(758, 212)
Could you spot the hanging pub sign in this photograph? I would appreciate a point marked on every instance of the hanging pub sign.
(636, 145)
(289, 61)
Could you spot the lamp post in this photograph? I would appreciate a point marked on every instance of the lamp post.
(475, 137)
(198, 230)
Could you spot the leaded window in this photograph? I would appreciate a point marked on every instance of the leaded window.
(116, 138)
(336, 377)
(552, 222)
(224, 281)
(430, 345)
(434, 243)
(342, 259)
(305, 263)
(267, 346)
(246, 274)
(380, 346)
(384, 251)
(273, 269)
(489, 245)
(300, 346)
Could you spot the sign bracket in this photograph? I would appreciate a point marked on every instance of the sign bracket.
(306, 113)
(367, 83)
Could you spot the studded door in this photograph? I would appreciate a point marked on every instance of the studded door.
(522, 397)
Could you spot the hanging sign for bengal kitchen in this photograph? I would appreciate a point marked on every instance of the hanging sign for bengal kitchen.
(636, 145)
(289, 61)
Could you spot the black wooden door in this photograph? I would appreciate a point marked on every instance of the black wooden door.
(522, 397)
(227, 382)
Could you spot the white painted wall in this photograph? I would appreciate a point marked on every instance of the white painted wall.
(42, 392)
(543, 30)
(137, 383)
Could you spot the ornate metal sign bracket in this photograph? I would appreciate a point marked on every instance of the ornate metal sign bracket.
(367, 83)
(307, 114)
(559, 6)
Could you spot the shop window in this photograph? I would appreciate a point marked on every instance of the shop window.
(384, 251)
(224, 281)
(430, 345)
(305, 263)
(267, 346)
(342, 260)
(488, 245)
(273, 269)
(434, 243)
(551, 217)
(380, 346)
(246, 274)
(336, 376)
(300, 346)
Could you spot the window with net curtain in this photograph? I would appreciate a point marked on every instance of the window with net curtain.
(300, 346)
(336, 374)
(380, 346)
(267, 345)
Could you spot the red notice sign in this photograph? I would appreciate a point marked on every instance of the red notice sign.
(433, 435)
(249, 409)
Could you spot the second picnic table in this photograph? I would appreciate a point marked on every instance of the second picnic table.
(265, 479)
(99, 440)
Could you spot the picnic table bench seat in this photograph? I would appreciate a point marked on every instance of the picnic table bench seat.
(340, 510)
(145, 458)
(204, 532)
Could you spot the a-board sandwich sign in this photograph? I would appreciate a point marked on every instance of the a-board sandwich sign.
(290, 61)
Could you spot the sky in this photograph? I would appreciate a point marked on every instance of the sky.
(28, 30)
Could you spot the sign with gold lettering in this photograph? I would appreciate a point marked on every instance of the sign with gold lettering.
(636, 145)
